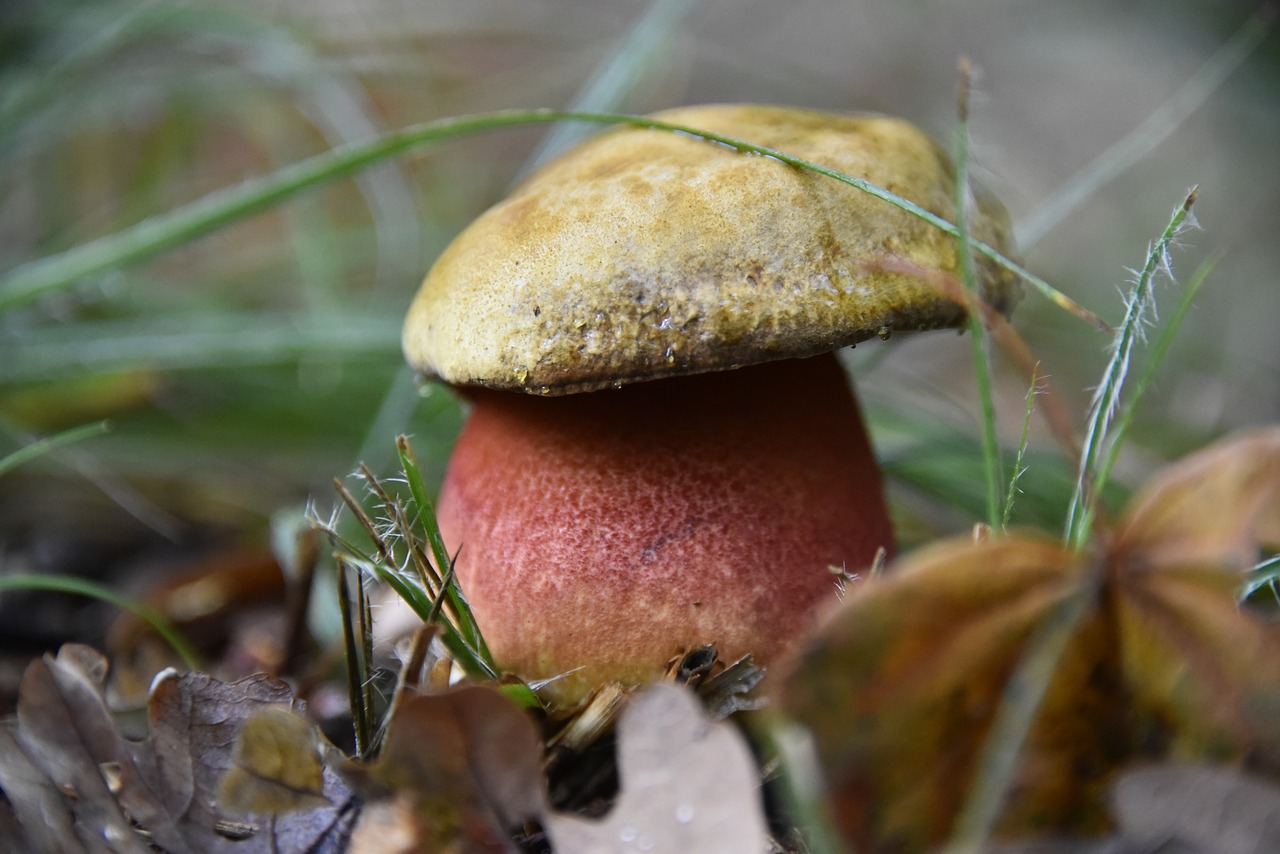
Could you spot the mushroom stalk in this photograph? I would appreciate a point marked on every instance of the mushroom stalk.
(608, 531)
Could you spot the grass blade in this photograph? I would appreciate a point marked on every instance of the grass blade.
(48, 444)
(613, 81)
(1265, 574)
(192, 341)
(1140, 303)
(162, 625)
(977, 331)
(425, 518)
(398, 543)
(357, 666)
(607, 90)
(1018, 467)
(153, 236)
(1151, 132)
(1167, 333)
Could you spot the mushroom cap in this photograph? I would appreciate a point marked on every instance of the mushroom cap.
(644, 253)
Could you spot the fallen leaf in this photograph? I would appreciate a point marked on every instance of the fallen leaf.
(1202, 675)
(42, 818)
(1214, 508)
(688, 784)
(76, 784)
(902, 684)
(65, 730)
(195, 722)
(277, 765)
(470, 763)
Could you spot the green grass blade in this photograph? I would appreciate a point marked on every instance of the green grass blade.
(460, 635)
(153, 236)
(1265, 574)
(425, 518)
(977, 332)
(193, 341)
(1151, 132)
(162, 625)
(357, 667)
(615, 79)
(1140, 303)
(40, 447)
(1018, 468)
(1155, 359)
(471, 659)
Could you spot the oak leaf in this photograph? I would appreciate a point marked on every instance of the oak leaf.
(688, 784)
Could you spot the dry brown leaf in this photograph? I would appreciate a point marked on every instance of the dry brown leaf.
(277, 765)
(1203, 676)
(195, 722)
(1214, 508)
(903, 685)
(43, 820)
(904, 681)
(65, 730)
(67, 769)
(1206, 675)
(688, 784)
(470, 763)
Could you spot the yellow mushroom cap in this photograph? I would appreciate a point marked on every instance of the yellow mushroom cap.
(644, 253)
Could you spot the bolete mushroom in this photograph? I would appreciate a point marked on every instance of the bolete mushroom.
(607, 523)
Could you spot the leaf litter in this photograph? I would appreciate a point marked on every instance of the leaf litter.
(239, 767)
(904, 683)
(75, 783)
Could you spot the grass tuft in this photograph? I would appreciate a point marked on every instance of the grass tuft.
(402, 547)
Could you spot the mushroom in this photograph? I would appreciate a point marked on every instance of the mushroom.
(607, 522)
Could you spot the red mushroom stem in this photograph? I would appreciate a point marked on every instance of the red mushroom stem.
(612, 529)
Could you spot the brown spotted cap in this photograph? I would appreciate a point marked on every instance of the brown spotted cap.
(643, 253)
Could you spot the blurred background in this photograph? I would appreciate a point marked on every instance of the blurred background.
(242, 371)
